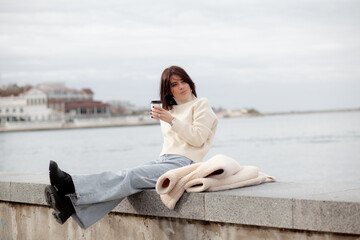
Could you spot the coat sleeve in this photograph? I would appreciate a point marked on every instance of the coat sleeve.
(200, 129)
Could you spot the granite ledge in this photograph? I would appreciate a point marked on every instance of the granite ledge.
(310, 207)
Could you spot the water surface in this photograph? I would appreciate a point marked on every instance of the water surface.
(299, 148)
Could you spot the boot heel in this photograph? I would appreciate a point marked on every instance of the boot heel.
(60, 217)
(49, 197)
(61, 204)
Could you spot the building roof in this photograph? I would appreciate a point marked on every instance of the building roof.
(50, 88)
(11, 90)
(69, 104)
(88, 91)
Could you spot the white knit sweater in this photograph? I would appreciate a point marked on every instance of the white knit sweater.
(193, 130)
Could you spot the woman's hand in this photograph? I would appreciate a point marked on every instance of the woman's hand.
(161, 114)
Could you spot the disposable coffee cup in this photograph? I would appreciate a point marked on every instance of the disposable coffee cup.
(155, 103)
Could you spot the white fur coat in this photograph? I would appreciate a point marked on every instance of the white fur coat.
(218, 173)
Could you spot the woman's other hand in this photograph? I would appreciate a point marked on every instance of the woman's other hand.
(161, 114)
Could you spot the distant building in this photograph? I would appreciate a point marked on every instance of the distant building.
(72, 109)
(250, 112)
(73, 103)
(244, 112)
(11, 90)
(58, 91)
(121, 108)
(30, 105)
(46, 102)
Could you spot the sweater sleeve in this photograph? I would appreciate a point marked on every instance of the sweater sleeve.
(198, 132)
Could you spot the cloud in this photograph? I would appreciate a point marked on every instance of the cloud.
(129, 43)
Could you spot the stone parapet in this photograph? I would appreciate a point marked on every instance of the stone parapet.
(291, 206)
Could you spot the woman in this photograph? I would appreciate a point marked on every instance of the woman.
(188, 125)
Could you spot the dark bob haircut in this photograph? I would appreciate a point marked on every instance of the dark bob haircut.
(166, 96)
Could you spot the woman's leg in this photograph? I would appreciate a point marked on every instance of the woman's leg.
(97, 194)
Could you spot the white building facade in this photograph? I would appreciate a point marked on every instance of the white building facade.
(29, 106)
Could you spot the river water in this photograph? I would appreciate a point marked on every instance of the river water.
(323, 147)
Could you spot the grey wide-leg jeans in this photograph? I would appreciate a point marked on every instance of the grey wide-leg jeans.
(97, 194)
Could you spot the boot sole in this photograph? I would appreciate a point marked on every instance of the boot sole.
(49, 196)
(60, 217)
(52, 198)
(53, 167)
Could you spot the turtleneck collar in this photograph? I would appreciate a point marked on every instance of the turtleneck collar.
(182, 101)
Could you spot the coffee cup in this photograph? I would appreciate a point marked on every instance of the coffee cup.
(155, 103)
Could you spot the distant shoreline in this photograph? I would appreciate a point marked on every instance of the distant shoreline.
(69, 126)
(312, 112)
(115, 122)
(78, 124)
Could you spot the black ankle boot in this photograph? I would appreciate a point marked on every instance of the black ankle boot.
(60, 203)
(60, 179)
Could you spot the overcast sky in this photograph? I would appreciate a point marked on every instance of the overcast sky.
(269, 55)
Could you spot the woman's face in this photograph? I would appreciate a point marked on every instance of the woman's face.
(180, 89)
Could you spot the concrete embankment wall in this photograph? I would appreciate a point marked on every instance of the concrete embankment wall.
(268, 211)
(78, 123)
